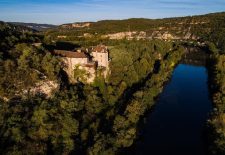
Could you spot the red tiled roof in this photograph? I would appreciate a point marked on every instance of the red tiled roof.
(70, 54)
(100, 48)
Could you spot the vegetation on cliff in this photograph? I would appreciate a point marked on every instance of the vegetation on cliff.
(217, 123)
(80, 118)
(22, 65)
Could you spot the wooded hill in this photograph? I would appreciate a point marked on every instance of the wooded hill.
(34, 26)
(204, 27)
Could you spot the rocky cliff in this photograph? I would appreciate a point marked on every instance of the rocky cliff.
(162, 35)
(76, 25)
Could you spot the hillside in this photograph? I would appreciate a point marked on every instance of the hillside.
(142, 24)
(18, 61)
(15, 27)
(202, 27)
(12, 34)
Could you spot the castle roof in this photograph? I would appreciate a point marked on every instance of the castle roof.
(70, 54)
(100, 49)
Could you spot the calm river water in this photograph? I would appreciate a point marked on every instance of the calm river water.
(176, 124)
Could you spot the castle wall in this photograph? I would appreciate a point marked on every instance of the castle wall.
(91, 74)
(101, 58)
(70, 66)
(72, 62)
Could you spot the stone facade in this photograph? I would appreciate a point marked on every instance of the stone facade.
(101, 56)
(70, 63)
(98, 58)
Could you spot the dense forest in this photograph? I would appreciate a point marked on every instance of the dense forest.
(217, 83)
(101, 117)
(79, 118)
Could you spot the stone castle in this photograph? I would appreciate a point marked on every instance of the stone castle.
(88, 60)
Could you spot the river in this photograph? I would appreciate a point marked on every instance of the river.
(176, 124)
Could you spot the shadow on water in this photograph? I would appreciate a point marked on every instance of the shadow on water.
(176, 124)
(197, 57)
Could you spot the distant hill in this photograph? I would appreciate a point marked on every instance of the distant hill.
(143, 24)
(11, 34)
(9, 27)
(196, 28)
(35, 26)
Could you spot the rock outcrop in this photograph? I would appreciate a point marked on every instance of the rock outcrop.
(162, 35)
(44, 87)
(76, 25)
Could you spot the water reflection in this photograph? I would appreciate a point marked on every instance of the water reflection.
(196, 57)
(176, 125)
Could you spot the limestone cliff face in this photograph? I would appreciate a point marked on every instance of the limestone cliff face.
(157, 34)
(45, 87)
(76, 25)
(120, 35)
(126, 35)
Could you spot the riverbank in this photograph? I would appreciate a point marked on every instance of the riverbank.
(177, 122)
(216, 124)
(166, 116)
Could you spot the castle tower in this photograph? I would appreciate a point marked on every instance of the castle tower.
(101, 55)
